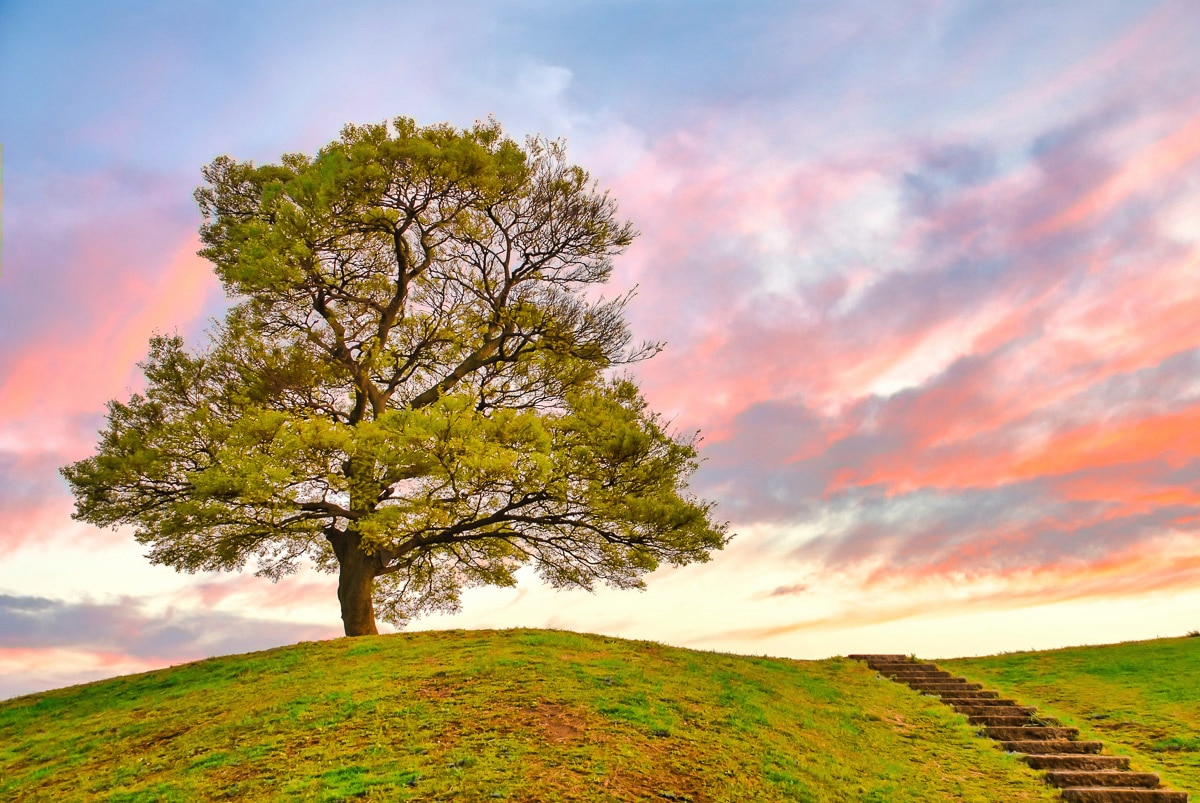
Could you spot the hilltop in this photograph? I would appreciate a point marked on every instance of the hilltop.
(506, 715)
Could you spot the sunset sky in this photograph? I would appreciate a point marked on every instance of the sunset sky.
(928, 272)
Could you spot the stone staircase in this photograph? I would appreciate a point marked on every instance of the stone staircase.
(1074, 766)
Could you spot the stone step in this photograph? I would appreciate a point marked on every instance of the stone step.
(896, 664)
(995, 711)
(1020, 734)
(1076, 761)
(1100, 794)
(946, 688)
(1119, 778)
(905, 667)
(1002, 722)
(973, 694)
(1073, 766)
(890, 659)
(987, 708)
(956, 700)
(909, 675)
(1043, 747)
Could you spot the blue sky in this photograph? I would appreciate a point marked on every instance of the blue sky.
(925, 271)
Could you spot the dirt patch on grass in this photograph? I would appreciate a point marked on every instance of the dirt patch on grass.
(620, 781)
(437, 688)
(558, 723)
(161, 738)
(610, 760)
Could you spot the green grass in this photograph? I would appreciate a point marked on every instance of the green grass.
(1142, 699)
(499, 715)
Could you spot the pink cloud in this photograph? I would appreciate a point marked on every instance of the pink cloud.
(1143, 171)
(1011, 338)
(919, 314)
(75, 348)
(257, 594)
(37, 520)
(52, 380)
(45, 642)
(1123, 65)
(751, 349)
(896, 595)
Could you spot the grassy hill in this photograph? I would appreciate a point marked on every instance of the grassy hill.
(501, 715)
(1142, 699)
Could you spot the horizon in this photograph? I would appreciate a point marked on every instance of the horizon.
(927, 278)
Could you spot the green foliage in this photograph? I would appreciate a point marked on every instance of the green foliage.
(515, 715)
(413, 385)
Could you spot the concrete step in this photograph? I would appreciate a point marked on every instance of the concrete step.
(1076, 761)
(1100, 794)
(1043, 747)
(1020, 734)
(1118, 778)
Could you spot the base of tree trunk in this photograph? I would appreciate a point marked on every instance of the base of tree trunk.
(356, 584)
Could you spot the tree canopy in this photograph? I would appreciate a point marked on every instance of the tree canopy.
(415, 384)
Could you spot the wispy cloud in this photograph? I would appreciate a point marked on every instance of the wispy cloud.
(927, 277)
(47, 637)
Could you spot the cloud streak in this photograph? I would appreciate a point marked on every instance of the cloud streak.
(51, 639)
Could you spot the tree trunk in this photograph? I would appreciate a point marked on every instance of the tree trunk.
(356, 581)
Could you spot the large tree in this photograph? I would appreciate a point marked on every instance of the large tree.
(416, 384)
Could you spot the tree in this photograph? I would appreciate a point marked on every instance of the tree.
(414, 385)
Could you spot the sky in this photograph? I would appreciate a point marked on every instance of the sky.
(926, 271)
